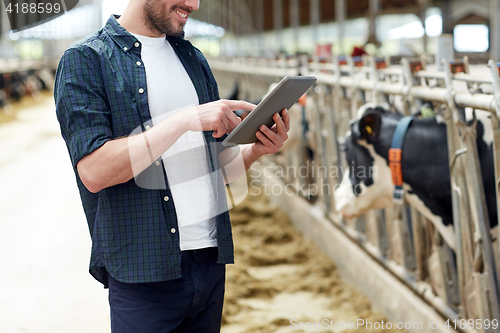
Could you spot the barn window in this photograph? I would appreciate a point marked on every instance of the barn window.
(471, 38)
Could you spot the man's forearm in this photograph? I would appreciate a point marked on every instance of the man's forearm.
(119, 160)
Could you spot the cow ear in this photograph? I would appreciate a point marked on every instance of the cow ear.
(369, 126)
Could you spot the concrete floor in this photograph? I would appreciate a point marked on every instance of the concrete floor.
(44, 240)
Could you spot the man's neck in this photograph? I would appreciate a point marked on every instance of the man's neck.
(132, 21)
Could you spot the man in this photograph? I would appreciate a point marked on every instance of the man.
(135, 102)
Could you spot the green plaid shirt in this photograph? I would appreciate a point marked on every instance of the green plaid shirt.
(101, 94)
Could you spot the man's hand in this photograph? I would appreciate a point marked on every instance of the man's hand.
(271, 139)
(217, 116)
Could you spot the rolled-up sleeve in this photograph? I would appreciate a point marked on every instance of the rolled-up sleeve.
(81, 107)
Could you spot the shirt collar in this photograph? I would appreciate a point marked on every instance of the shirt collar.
(122, 37)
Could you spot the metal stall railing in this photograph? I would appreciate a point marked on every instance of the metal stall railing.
(461, 284)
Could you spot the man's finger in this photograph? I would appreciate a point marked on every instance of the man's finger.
(286, 118)
(239, 105)
(271, 135)
(262, 138)
(232, 118)
(280, 125)
(226, 125)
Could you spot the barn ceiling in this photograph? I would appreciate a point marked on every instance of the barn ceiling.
(243, 16)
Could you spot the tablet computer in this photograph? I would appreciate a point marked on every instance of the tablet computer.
(283, 96)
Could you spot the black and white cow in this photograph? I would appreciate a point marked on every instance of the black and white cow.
(367, 184)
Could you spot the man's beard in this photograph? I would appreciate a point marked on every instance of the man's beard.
(156, 19)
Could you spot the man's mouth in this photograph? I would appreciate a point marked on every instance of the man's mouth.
(183, 16)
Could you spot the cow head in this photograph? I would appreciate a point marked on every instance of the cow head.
(367, 182)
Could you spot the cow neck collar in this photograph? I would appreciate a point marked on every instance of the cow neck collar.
(395, 154)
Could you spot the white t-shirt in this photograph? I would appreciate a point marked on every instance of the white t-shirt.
(169, 90)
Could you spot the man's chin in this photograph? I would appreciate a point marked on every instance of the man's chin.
(176, 32)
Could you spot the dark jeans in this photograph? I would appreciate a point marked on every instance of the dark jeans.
(192, 303)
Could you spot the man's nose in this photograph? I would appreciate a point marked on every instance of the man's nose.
(193, 4)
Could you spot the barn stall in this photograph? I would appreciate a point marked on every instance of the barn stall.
(396, 256)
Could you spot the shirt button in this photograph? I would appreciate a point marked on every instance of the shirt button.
(137, 44)
(141, 91)
(125, 48)
(172, 230)
(148, 127)
(138, 63)
(157, 163)
(166, 198)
